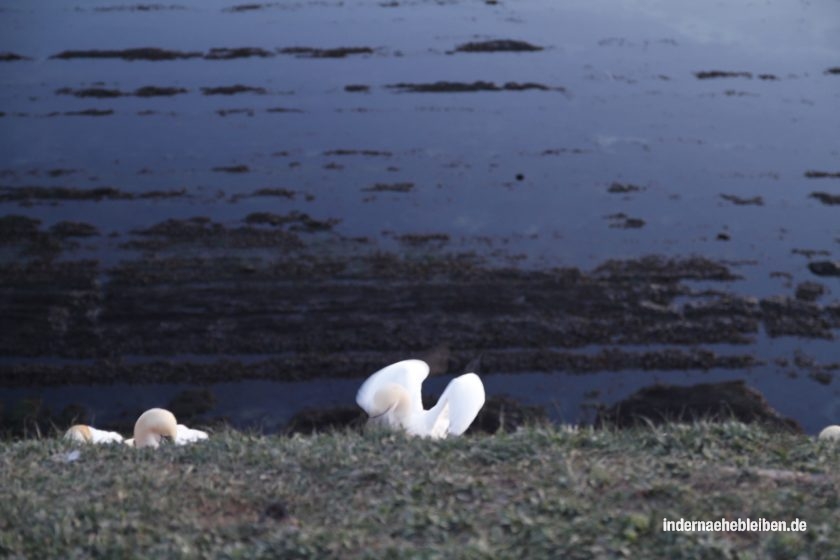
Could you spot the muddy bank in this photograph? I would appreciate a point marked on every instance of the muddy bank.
(375, 305)
(826, 198)
(357, 88)
(239, 52)
(277, 192)
(743, 201)
(822, 174)
(712, 74)
(249, 7)
(390, 187)
(30, 194)
(284, 110)
(137, 8)
(370, 153)
(145, 53)
(623, 221)
(25, 236)
(623, 188)
(85, 113)
(338, 52)
(468, 87)
(103, 93)
(825, 268)
(706, 401)
(217, 53)
(353, 364)
(233, 90)
(498, 45)
(11, 57)
(203, 232)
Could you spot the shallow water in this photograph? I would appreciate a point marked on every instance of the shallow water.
(568, 398)
(631, 111)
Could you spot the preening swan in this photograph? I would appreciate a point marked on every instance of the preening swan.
(830, 433)
(392, 398)
(88, 434)
(157, 423)
(153, 425)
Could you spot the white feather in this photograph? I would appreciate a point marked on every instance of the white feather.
(101, 436)
(88, 434)
(392, 397)
(185, 435)
(408, 374)
(830, 433)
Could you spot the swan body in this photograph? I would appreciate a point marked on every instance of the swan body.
(830, 433)
(157, 423)
(184, 435)
(392, 398)
(88, 434)
(152, 426)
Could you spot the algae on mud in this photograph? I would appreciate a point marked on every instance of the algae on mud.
(166, 305)
(483, 200)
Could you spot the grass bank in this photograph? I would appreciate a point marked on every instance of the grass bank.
(536, 493)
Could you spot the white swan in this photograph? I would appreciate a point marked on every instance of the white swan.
(830, 433)
(152, 426)
(391, 397)
(184, 435)
(88, 434)
(157, 423)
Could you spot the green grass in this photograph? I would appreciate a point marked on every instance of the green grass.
(537, 493)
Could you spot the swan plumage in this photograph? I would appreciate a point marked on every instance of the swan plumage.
(157, 423)
(392, 398)
(152, 426)
(88, 434)
(830, 433)
(184, 435)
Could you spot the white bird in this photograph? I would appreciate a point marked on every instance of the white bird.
(184, 435)
(152, 426)
(392, 397)
(157, 423)
(88, 434)
(830, 433)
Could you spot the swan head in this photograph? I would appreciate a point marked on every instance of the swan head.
(831, 433)
(153, 425)
(79, 433)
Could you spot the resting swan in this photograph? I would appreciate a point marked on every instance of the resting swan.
(157, 423)
(391, 397)
(184, 435)
(830, 433)
(88, 434)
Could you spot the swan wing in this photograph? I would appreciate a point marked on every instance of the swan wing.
(463, 397)
(440, 425)
(408, 374)
(184, 435)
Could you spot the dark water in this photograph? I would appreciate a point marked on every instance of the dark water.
(631, 110)
(269, 405)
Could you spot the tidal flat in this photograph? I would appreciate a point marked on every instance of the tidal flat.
(591, 199)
